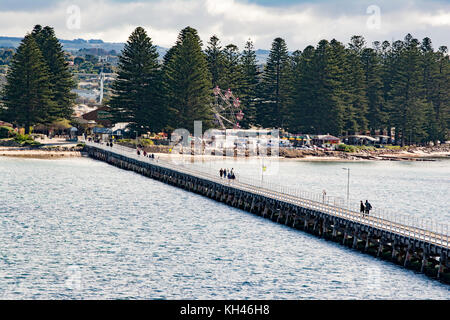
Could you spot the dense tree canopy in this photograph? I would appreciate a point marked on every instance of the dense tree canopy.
(61, 79)
(250, 90)
(187, 83)
(137, 89)
(39, 83)
(276, 87)
(402, 85)
(399, 87)
(27, 96)
(330, 88)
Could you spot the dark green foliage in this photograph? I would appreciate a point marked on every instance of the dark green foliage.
(376, 111)
(249, 91)
(276, 87)
(187, 83)
(137, 97)
(330, 101)
(6, 132)
(330, 88)
(319, 98)
(356, 88)
(408, 101)
(232, 77)
(215, 58)
(28, 96)
(6, 55)
(435, 66)
(303, 94)
(61, 80)
(401, 85)
(39, 82)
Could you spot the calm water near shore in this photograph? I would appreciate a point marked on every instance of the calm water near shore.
(78, 228)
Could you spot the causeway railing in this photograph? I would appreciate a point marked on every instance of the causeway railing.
(412, 227)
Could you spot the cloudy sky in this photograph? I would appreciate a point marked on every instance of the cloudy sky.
(299, 22)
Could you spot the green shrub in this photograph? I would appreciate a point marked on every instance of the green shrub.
(369, 148)
(26, 140)
(391, 147)
(346, 148)
(23, 137)
(146, 142)
(125, 141)
(143, 142)
(6, 132)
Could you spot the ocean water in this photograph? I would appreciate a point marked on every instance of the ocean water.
(82, 229)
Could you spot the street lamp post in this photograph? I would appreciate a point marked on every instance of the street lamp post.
(348, 184)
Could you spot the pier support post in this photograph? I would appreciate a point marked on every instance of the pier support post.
(394, 251)
(407, 256)
(380, 248)
(324, 228)
(252, 206)
(366, 247)
(441, 266)
(355, 240)
(265, 211)
(333, 234)
(315, 224)
(287, 217)
(294, 221)
(424, 260)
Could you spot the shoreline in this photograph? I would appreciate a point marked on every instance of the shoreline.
(331, 156)
(316, 158)
(41, 153)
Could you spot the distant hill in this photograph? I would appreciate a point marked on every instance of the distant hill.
(69, 45)
(77, 44)
(262, 55)
(9, 42)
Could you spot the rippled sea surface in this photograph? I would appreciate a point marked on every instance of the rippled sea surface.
(78, 228)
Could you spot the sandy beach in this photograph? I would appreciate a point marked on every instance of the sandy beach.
(43, 153)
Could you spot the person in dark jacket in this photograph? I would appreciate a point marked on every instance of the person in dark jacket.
(362, 208)
(368, 207)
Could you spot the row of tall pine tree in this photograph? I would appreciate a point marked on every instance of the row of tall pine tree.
(331, 88)
(39, 83)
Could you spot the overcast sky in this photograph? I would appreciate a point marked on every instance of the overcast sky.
(299, 22)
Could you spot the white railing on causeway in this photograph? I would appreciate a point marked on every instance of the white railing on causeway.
(408, 226)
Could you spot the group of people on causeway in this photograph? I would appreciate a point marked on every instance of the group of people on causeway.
(365, 208)
(145, 154)
(227, 174)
